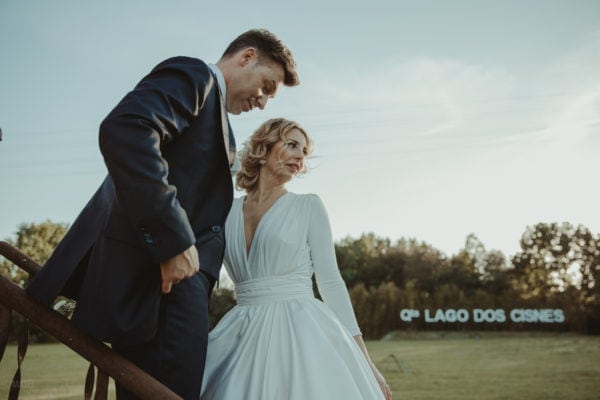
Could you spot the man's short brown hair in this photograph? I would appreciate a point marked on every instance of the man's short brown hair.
(270, 46)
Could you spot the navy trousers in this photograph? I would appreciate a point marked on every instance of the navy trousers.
(177, 353)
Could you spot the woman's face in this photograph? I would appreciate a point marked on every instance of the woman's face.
(286, 158)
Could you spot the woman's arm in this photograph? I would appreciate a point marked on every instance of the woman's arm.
(330, 283)
(380, 379)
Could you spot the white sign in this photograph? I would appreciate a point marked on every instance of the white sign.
(478, 315)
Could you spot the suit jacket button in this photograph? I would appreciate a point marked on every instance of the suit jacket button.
(148, 238)
(216, 228)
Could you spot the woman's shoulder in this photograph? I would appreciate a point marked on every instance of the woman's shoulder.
(310, 200)
(305, 196)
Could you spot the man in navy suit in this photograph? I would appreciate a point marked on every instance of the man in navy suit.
(142, 257)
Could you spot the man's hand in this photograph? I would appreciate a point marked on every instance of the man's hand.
(182, 266)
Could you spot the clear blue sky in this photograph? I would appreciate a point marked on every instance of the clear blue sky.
(432, 119)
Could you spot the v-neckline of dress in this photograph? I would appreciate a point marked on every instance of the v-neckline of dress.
(248, 250)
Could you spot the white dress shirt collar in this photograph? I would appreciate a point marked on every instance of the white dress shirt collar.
(220, 81)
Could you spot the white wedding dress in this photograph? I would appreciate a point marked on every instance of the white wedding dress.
(279, 342)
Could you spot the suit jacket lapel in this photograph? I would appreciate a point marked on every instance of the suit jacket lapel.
(228, 138)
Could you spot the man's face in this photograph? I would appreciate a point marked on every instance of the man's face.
(252, 84)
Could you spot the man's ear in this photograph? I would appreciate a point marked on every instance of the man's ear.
(247, 55)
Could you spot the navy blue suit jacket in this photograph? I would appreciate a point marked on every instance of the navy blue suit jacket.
(169, 186)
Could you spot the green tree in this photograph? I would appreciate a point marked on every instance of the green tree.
(424, 265)
(475, 267)
(586, 248)
(36, 240)
(462, 272)
(387, 298)
(557, 260)
(360, 260)
(363, 308)
(221, 301)
(549, 258)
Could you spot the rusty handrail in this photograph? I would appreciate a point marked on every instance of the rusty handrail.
(19, 259)
(123, 371)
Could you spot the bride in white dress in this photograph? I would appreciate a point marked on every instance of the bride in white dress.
(279, 342)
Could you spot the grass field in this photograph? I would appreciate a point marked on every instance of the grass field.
(424, 366)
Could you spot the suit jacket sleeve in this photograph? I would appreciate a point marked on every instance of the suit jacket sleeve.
(160, 108)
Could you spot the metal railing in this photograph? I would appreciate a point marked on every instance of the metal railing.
(108, 362)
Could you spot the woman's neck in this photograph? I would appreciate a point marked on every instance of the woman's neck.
(266, 192)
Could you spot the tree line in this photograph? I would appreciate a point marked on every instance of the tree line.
(551, 283)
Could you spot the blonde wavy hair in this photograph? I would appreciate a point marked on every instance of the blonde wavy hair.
(259, 146)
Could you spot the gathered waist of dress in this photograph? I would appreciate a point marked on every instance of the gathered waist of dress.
(273, 289)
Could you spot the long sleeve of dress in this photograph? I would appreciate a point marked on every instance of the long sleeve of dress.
(329, 280)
